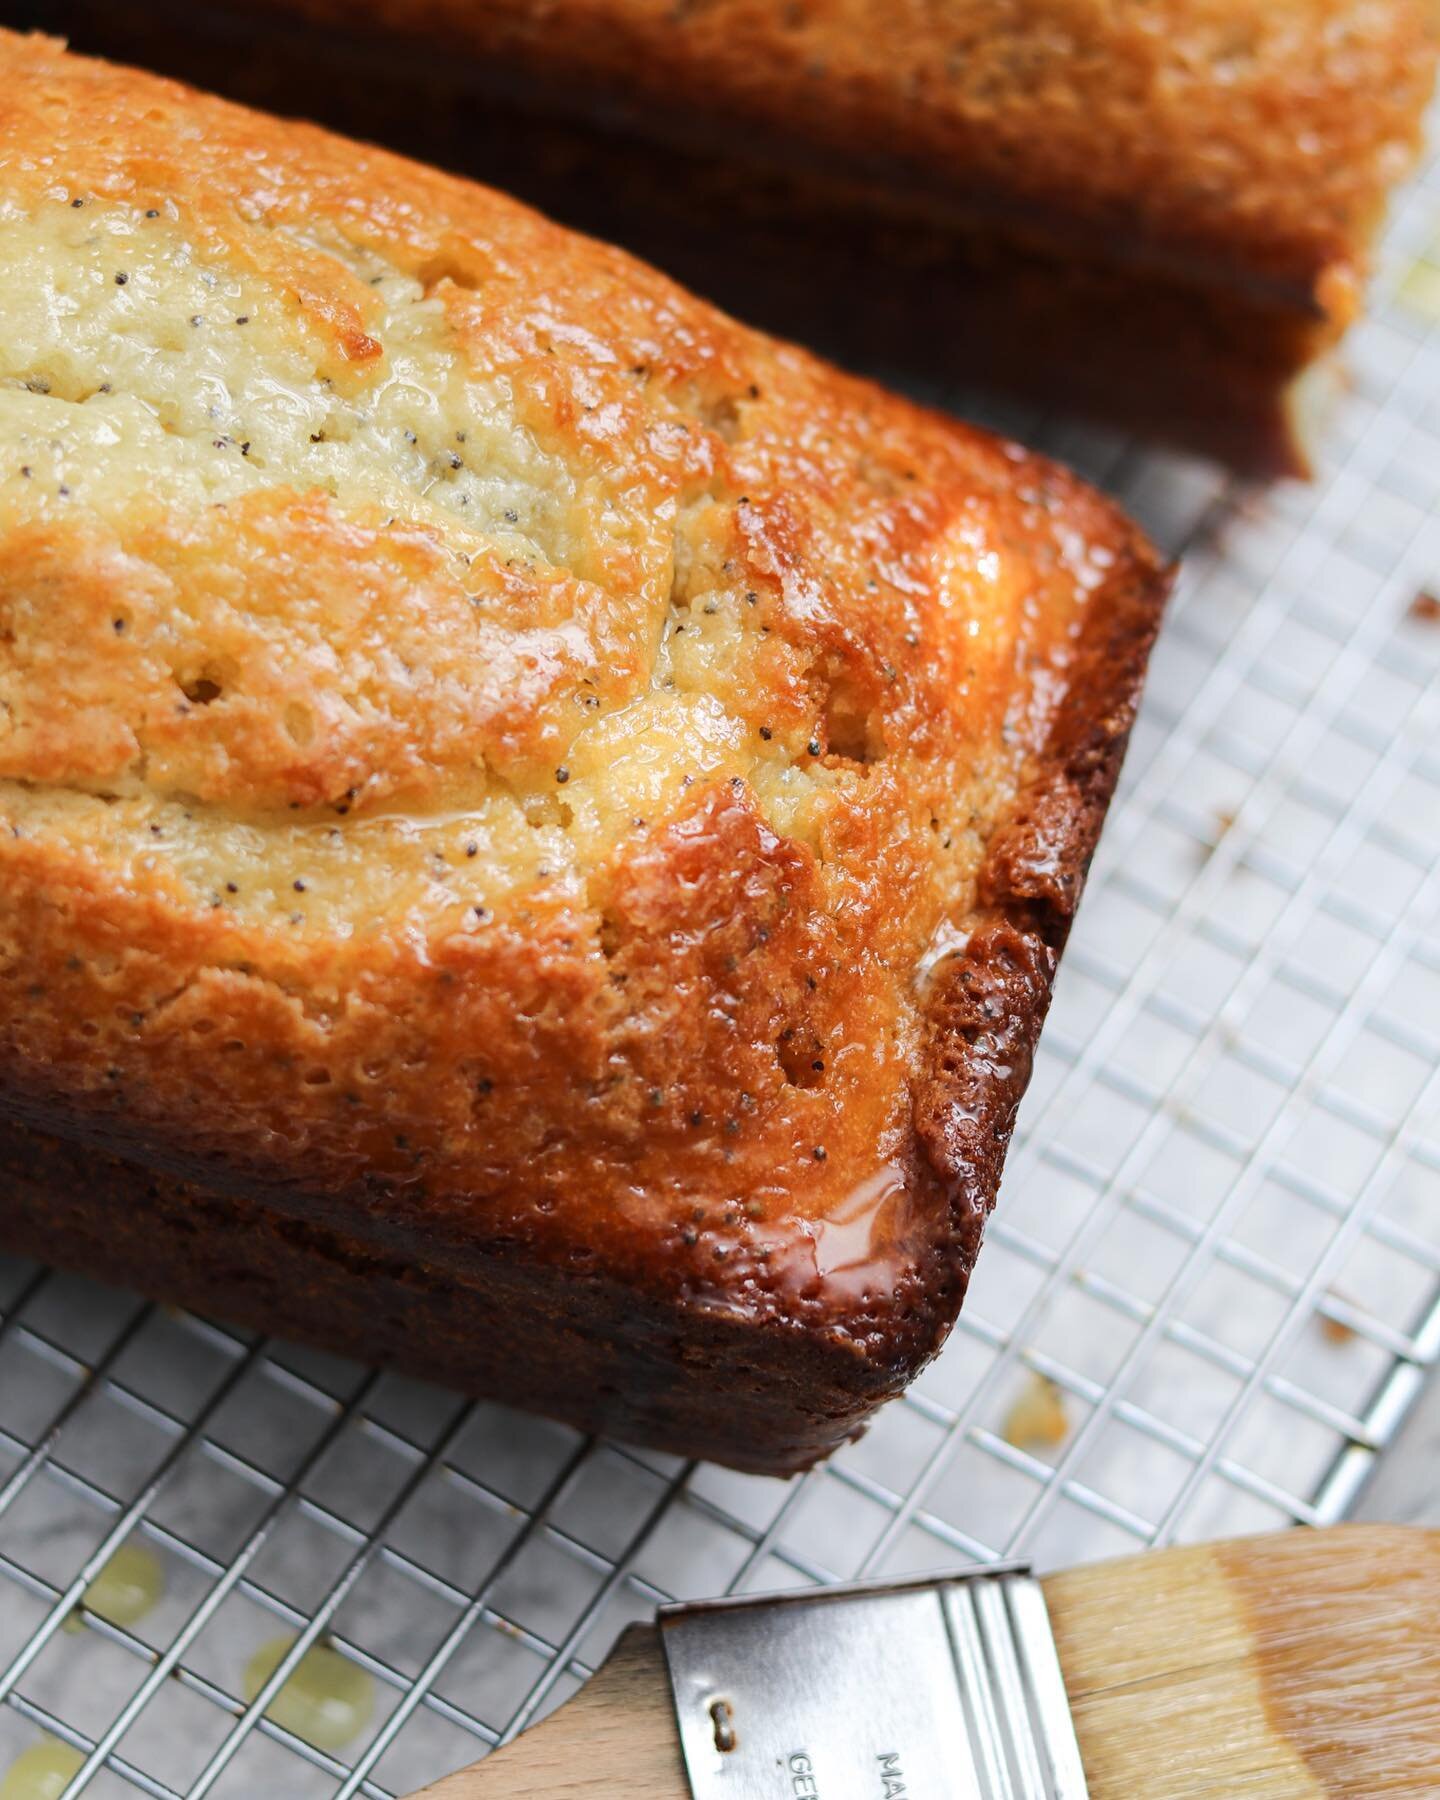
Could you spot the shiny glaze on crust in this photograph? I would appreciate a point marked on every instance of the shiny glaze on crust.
(659, 1053)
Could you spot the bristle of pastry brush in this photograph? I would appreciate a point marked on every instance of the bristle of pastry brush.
(1301, 1664)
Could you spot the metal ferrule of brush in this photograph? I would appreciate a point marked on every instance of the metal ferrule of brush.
(938, 1685)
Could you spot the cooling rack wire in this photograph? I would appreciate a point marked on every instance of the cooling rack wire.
(1209, 1295)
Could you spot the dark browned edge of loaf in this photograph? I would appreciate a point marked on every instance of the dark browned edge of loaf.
(764, 1394)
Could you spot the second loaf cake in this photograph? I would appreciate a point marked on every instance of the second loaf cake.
(536, 823)
(1160, 212)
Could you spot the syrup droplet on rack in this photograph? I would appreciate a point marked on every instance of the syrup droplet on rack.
(1419, 290)
(1037, 1420)
(127, 1587)
(42, 1772)
(327, 1700)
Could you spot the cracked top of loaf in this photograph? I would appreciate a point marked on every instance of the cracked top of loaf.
(496, 753)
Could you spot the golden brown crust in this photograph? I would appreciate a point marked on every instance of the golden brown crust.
(682, 1082)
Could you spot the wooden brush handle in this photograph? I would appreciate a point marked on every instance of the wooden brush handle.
(619, 1729)
(1287, 1667)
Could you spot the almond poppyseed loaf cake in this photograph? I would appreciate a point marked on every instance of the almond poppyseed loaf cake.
(536, 824)
(1159, 211)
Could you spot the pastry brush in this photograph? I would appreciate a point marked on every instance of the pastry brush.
(1296, 1665)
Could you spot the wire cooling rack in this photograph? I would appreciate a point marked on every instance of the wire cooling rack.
(1213, 1280)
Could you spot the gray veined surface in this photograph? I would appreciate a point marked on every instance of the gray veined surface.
(1219, 1237)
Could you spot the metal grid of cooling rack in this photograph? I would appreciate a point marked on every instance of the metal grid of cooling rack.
(1219, 1241)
